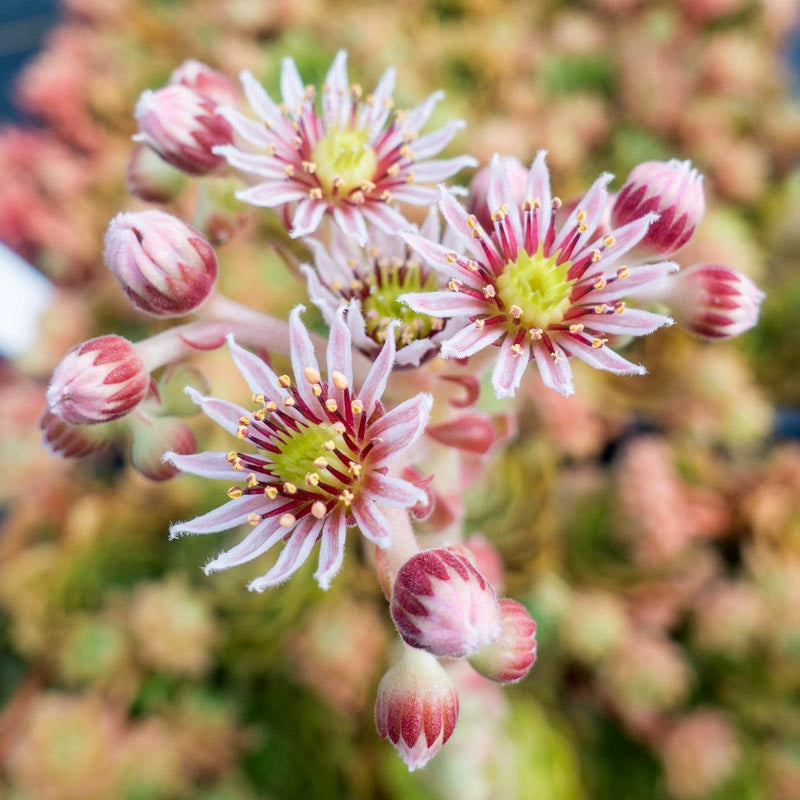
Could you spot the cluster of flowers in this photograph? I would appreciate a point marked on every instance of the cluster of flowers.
(516, 272)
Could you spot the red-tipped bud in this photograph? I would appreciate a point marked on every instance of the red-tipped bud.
(154, 437)
(473, 432)
(478, 202)
(70, 441)
(416, 708)
(713, 301)
(165, 267)
(182, 127)
(150, 178)
(442, 604)
(97, 381)
(511, 657)
(205, 81)
(671, 189)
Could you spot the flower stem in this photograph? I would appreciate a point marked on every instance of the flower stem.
(404, 545)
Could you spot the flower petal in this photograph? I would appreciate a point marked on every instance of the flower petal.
(592, 205)
(631, 322)
(225, 414)
(625, 238)
(419, 115)
(292, 89)
(640, 280)
(351, 221)
(271, 194)
(396, 492)
(372, 522)
(321, 297)
(293, 555)
(302, 355)
(442, 259)
(500, 195)
(379, 372)
(258, 376)
(229, 515)
(265, 106)
(538, 188)
(470, 339)
(340, 355)
(601, 357)
(433, 143)
(255, 163)
(307, 216)
(457, 217)
(385, 218)
(206, 465)
(399, 428)
(267, 533)
(509, 368)
(336, 93)
(445, 304)
(556, 373)
(441, 169)
(331, 548)
(376, 111)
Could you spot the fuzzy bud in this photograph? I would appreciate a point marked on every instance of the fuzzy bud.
(205, 81)
(165, 267)
(713, 301)
(152, 438)
(70, 441)
(150, 178)
(97, 381)
(478, 202)
(182, 127)
(416, 707)
(671, 189)
(442, 604)
(510, 658)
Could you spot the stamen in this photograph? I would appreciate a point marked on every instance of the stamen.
(289, 488)
(271, 492)
(254, 518)
(287, 520)
(318, 509)
(234, 493)
(339, 380)
(312, 375)
(284, 381)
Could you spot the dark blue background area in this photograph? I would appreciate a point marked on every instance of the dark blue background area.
(23, 24)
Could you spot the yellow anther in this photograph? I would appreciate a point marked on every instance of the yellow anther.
(410, 177)
(578, 328)
(309, 166)
(312, 375)
(582, 227)
(368, 187)
(580, 215)
(235, 493)
(596, 256)
(609, 241)
(259, 398)
(536, 333)
(339, 380)
(287, 520)
(600, 283)
(289, 488)
(472, 221)
(354, 469)
(596, 343)
(318, 509)
(284, 381)
(601, 309)
(312, 479)
(489, 291)
(321, 462)
(271, 492)
(623, 272)
(252, 481)
(271, 406)
(244, 420)
(232, 456)
(556, 204)
(288, 170)
(454, 285)
(316, 390)
(331, 405)
(357, 197)
(451, 257)
(387, 196)
(254, 518)
(241, 432)
(393, 170)
(315, 193)
(516, 350)
(346, 497)
(261, 414)
(619, 308)
(479, 323)
(356, 407)
(288, 401)
(555, 356)
(330, 445)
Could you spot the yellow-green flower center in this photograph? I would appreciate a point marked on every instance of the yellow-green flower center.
(305, 455)
(381, 306)
(344, 161)
(535, 289)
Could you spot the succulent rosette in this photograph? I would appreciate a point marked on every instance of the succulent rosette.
(539, 290)
(346, 158)
(371, 280)
(323, 450)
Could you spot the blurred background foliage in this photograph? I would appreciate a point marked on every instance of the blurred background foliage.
(651, 525)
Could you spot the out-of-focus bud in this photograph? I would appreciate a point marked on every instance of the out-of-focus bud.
(478, 202)
(218, 214)
(713, 301)
(152, 437)
(473, 433)
(442, 604)
(70, 441)
(416, 708)
(511, 657)
(182, 127)
(671, 189)
(150, 178)
(97, 381)
(487, 560)
(594, 624)
(165, 267)
(205, 81)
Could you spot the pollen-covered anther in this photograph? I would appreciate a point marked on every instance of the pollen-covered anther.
(253, 519)
(244, 421)
(599, 284)
(516, 350)
(270, 492)
(284, 381)
(601, 309)
(315, 193)
(339, 380)
(556, 357)
(454, 285)
(289, 488)
(241, 432)
(316, 390)
(312, 479)
(357, 197)
(580, 214)
(346, 497)
(451, 257)
(261, 414)
(619, 308)
(489, 291)
(331, 405)
(578, 328)
(318, 509)
(288, 401)
(356, 407)
(288, 170)
(259, 399)
(234, 492)
(270, 406)
(287, 520)
(598, 342)
(354, 469)
(480, 323)
(515, 311)
(232, 456)
(309, 166)
(623, 272)
(330, 445)
(321, 462)
(609, 241)
(251, 480)
(536, 333)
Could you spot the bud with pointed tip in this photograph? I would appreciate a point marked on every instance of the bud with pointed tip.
(713, 301)
(416, 707)
(165, 267)
(97, 381)
(71, 441)
(152, 437)
(182, 127)
(478, 201)
(671, 189)
(150, 178)
(442, 604)
(205, 81)
(511, 657)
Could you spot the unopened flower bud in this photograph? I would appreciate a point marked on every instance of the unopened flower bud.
(511, 657)
(97, 381)
(205, 81)
(478, 202)
(671, 189)
(71, 441)
(714, 301)
(165, 267)
(152, 437)
(182, 127)
(442, 604)
(150, 178)
(416, 708)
